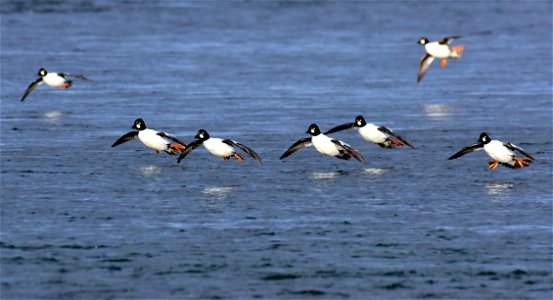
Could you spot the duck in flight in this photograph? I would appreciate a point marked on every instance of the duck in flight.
(219, 147)
(501, 153)
(325, 145)
(153, 139)
(57, 80)
(380, 135)
(438, 49)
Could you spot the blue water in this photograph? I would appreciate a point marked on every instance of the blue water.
(80, 219)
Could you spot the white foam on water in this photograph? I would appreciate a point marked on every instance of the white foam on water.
(218, 191)
(375, 171)
(437, 111)
(149, 170)
(323, 175)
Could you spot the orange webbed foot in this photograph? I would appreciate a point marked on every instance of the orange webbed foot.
(522, 162)
(177, 147)
(459, 49)
(444, 63)
(240, 158)
(396, 142)
(493, 164)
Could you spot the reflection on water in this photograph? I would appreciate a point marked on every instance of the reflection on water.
(374, 171)
(437, 111)
(324, 175)
(498, 188)
(55, 115)
(219, 192)
(150, 170)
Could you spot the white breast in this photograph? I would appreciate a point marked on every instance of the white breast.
(497, 151)
(53, 79)
(150, 138)
(216, 147)
(371, 133)
(437, 50)
(324, 145)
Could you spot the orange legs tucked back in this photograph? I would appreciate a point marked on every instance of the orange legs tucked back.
(458, 49)
(235, 155)
(444, 63)
(522, 162)
(396, 142)
(493, 164)
(177, 147)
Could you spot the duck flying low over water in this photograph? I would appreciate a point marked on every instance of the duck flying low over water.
(153, 139)
(58, 80)
(379, 135)
(438, 49)
(325, 145)
(501, 153)
(219, 147)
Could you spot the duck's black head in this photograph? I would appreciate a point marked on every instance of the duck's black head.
(313, 130)
(202, 135)
(423, 41)
(139, 124)
(360, 121)
(484, 138)
(42, 72)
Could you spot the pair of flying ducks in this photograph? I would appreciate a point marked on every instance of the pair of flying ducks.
(438, 49)
(502, 153)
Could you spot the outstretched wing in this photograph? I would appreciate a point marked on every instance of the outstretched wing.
(125, 138)
(467, 149)
(424, 64)
(195, 144)
(399, 137)
(340, 128)
(244, 148)
(447, 40)
(300, 144)
(31, 87)
(517, 148)
(354, 153)
(172, 138)
(71, 75)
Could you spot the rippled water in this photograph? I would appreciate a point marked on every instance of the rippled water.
(80, 219)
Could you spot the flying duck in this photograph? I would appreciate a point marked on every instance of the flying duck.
(501, 153)
(325, 145)
(57, 80)
(438, 49)
(379, 135)
(157, 140)
(218, 147)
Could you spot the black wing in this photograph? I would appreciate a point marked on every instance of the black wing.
(125, 138)
(300, 144)
(517, 148)
(172, 138)
(399, 137)
(244, 148)
(195, 144)
(340, 128)
(467, 149)
(448, 40)
(74, 76)
(349, 150)
(424, 64)
(31, 87)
